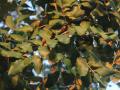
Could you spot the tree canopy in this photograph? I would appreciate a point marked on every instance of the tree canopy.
(84, 33)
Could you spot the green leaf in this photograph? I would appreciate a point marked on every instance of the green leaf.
(98, 78)
(67, 62)
(59, 56)
(2, 31)
(23, 2)
(17, 37)
(18, 66)
(56, 22)
(26, 28)
(103, 71)
(82, 66)
(6, 45)
(75, 12)
(82, 29)
(52, 43)
(65, 2)
(116, 75)
(46, 34)
(9, 22)
(113, 36)
(99, 31)
(35, 33)
(63, 39)
(94, 61)
(36, 42)
(74, 71)
(10, 54)
(25, 47)
(71, 30)
(20, 18)
(59, 2)
(44, 51)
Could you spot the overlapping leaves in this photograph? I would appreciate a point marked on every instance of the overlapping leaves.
(56, 26)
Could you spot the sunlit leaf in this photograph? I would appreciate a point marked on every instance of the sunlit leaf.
(103, 71)
(59, 56)
(86, 4)
(67, 62)
(25, 47)
(46, 34)
(102, 33)
(20, 18)
(10, 22)
(2, 31)
(74, 71)
(65, 2)
(82, 66)
(23, 1)
(56, 22)
(36, 42)
(6, 45)
(94, 60)
(26, 28)
(98, 78)
(84, 26)
(75, 12)
(17, 37)
(10, 54)
(63, 39)
(18, 66)
(71, 30)
(52, 43)
(44, 51)
(36, 23)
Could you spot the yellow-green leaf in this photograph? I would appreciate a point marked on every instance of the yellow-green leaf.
(65, 2)
(59, 56)
(81, 30)
(56, 22)
(26, 28)
(99, 31)
(36, 42)
(25, 47)
(17, 37)
(46, 34)
(4, 44)
(82, 66)
(2, 31)
(52, 43)
(18, 66)
(75, 12)
(63, 39)
(10, 54)
(10, 22)
(20, 18)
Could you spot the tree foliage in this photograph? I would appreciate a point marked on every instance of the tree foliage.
(70, 26)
